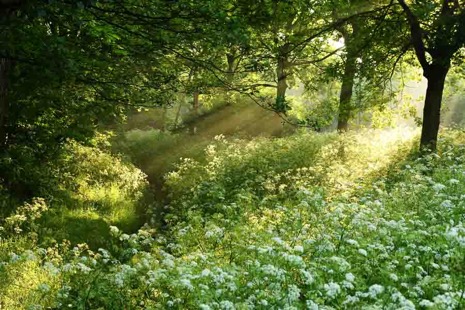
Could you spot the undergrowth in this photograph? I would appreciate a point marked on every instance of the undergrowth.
(315, 221)
(91, 191)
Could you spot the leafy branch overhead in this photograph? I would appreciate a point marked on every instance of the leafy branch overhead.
(68, 67)
(232, 154)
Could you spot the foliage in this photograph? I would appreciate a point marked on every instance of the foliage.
(91, 191)
(313, 220)
(98, 190)
(69, 70)
(250, 166)
(392, 241)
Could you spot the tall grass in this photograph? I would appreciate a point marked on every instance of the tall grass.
(314, 221)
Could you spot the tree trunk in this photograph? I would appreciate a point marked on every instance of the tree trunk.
(178, 113)
(281, 85)
(5, 66)
(432, 110)
(195, 103)
(163, 119)
(350, 70)
(195, 113)
(345, 96)
(231, 58)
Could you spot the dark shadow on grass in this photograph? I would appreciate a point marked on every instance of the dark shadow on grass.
(77, 229)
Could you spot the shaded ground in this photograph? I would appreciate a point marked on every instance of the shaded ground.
(245, 121)
(156, 153)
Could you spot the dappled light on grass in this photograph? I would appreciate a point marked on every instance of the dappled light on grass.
(359, 157)
(337, 163)
(263, 224)
(94, 190)
(156, 152)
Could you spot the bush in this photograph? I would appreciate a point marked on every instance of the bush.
(91, 190)
(279, 167)
(97, 190)
(392, 241)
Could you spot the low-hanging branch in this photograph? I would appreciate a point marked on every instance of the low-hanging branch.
(313, 61)
(334, 25)
(417, 36)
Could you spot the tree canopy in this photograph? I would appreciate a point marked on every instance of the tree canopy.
(67, 67)
(232, 154)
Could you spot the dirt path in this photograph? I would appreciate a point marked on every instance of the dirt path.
(247, 121)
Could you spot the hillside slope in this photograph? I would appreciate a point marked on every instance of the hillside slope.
(313, 221)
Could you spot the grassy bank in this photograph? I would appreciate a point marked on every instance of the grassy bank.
(313, 221)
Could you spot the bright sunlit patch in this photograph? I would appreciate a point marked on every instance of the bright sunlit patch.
(337, 44)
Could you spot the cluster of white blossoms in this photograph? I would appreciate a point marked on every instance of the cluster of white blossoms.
(457, 234)
(394, 243)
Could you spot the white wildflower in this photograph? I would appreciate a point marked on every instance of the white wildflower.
(352, 242)
(456, 234)
(114, 231)
(83, 268)
(293, 293)
(168, 262)
(332, 289)
(311, 305)
(187, 284)
(227, 305)
(348, 285)
(362, 252)
(350, 277)
(375, 290)
(426, 303)
(206, 272)
(437, 187)
(278, 240)
(43, 287)
(214, 232)
(350, 300)
(14, 257)
(51, 268)
(447, 204)
(445, 300)
(307, 276)
(293, 259)
(124, 237)
(404, 303)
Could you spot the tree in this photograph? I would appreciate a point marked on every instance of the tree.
(63, 73)
(285, 36)
(7, 11)
(289, 37)
(437, 31)
(368, 58)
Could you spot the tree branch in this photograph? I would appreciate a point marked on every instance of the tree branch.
(313, 61)
(417, 38)
(404, 50)
(335, 25)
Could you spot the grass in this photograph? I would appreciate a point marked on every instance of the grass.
(95, 190)
(312, 221)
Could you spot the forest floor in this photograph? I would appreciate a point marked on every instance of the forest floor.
(157, 152)
(307, 221)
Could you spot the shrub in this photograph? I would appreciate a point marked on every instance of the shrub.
(382, 242)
